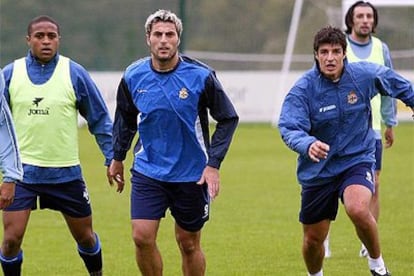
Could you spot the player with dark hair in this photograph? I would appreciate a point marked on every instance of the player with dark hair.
(361, 21)
(166, 98)
(45, 91)
(325, 118)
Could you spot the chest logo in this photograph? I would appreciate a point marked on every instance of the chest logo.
(36, 110)
(352, 97)
(36, 101)
(183, 94)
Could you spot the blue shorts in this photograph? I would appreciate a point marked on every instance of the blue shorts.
(70, 198)
(188, 202)
(321, 202)
(378, 154)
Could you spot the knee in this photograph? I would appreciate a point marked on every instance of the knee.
(88, 240)
(312, 240)
(142, 240)
(358, 213)
(188, 242)
(187, 247)
(11, 245)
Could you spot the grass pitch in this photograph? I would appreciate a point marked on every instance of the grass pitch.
(254, 228)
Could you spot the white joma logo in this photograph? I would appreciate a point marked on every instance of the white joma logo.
(327, 108)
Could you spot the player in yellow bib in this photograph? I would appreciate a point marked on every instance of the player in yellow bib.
(45, 91)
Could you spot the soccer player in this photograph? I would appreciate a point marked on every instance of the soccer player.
(45, 91)
(361, 20)
(166, 98)
(10, 163)
(325, 118)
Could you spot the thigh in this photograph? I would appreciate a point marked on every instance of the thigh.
(356, 200)
(14, 224)
(187, 239)
(319, 203)
(144, 231)
(190, 205)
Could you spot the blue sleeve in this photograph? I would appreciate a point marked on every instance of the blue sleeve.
(388, 104)
(387, 56)
(390, 83)
(389, 111)
(7, 73)
(294, 121)
(223, 112)
(93, 108)
(125, 122)
(11, 166)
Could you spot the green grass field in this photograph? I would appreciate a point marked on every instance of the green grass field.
(254, 228)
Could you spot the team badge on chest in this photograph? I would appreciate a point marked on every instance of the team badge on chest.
(352, 97)
(183, 94)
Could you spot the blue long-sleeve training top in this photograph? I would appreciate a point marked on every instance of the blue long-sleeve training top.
(170, 112)
(10, 163)
(338, 114)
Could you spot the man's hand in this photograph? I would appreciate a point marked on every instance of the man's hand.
(115, 173)
(317, 151)
(7, 190)
(389, 136)
(212, 178)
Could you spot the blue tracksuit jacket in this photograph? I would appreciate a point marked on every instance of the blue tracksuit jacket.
(337, 113)
(10, 163)
(170, 112)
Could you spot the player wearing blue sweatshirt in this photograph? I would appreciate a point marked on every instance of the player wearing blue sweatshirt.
(45, 91)
(361, 21)
(326, 119)
(167, 98)
(10, 163)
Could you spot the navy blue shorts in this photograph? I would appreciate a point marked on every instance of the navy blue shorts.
(188, 202)
(378, 154)
(321, 202)
(70, 198)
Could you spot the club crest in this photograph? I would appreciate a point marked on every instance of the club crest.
(183, 94)
(352, 97)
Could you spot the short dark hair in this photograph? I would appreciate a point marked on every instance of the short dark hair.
(329, 35)
(42, 18)
(349, 17)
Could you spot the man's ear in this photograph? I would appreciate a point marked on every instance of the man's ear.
(148, 40)
(315, 56)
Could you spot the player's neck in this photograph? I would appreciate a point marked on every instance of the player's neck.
(362, 39)
(165, 66)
